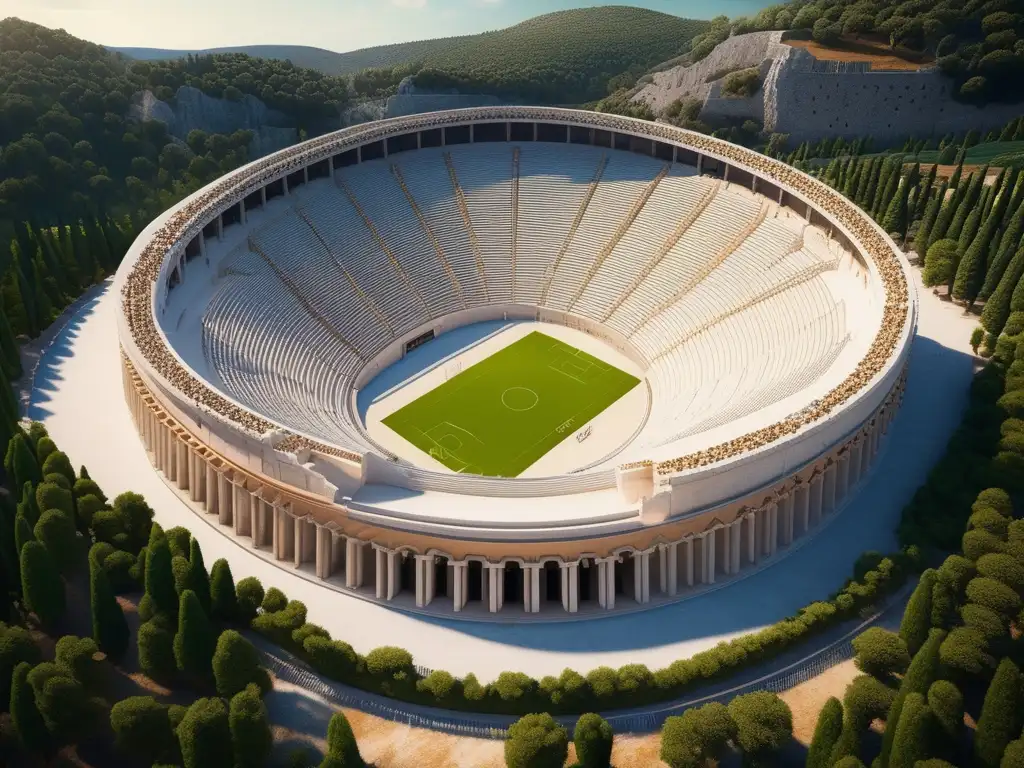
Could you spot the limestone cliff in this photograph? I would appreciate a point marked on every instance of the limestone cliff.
(811, 99)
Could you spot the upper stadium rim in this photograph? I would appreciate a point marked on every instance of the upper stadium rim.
(685, 516)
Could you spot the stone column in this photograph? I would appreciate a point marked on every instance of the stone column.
(751, 518)
(725, 535)
(298, 541)
(394, 574)
(570, 586)
(669, 562)
(816, 495)
(353, 563)
(263, 194)
(381, 572)
(531, 597)
(424, 580)
(240, 505)
(843, 480)
(284, 532)
(831, 480)
(773, 531)
(803, 507)
(212, 490)
(736, 545)
(858, 456)
(787, 519)
(323, 553)
(224, 498)
(495, 586)
(256, 520)
(606, 582)
(459, 591)
(182, 465)
(241, 211)
(688, 551)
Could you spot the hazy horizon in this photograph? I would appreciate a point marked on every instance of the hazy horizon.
(337, 25)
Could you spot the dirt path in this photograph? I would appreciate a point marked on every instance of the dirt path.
(880, 57)
(807, 699)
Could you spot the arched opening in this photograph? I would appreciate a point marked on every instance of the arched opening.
(513, 582)
(441, 576)
(475, 577)
(552, 583)
(588, 580)
(407, 573)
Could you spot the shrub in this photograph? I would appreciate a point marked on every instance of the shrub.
(910, 743)
(16, 646)
(86, 486)
(332, 658)
(57, 463)
(178, 541)
(826, 734)
(996, 498)
(20, 462)
(993, 594)
(536, 741)
(58, 480)
(699, 735)
(199, 579)
(205, 735)
(1000, 720)
(44, 447)
(964, 654)
(341, 743)
(119, 568)
(52, 496)
(987, 519)
(764, 724)
(250, 729)
(743, 83)
(136, 516)
(41, 584)
(1013, 757)
(916, 621)
(236, 665)
(947, 705)
(977, 543)
(142, 728)
(56, 531)
(62, 701)
(79, 658)
(159, 576)
(109, 626)
(990, 624)
(880, 652)
(308, 630)
(280, 625)
(25, 717)
(274, 601)
(958, 571)
(249, 593)
(922, 672)
(195, 642)
(1002, 568)
(593, 739)
(440, 685)
(156, 652)
(223, 602)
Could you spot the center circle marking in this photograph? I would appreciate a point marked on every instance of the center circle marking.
(519, 399)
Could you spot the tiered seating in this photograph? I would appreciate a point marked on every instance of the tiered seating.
(718, 289)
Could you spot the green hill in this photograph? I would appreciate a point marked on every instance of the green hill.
(562, 57)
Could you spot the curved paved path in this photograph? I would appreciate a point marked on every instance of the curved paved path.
(78, 395)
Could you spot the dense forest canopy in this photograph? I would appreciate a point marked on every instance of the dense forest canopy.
(567, 57)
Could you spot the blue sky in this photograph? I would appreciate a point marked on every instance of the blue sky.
(339, 25)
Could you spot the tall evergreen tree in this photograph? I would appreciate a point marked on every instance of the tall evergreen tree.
(997, 308)
(930, 215)
(160, 596)
(25, 717)
(1000, 720)
(195, 642)
(109, 627)
(41, 583)
(826, 734)
(971, 274)
(927, 190)
(911, 742)
(20, 462)
(923, 670)
(1008, 243)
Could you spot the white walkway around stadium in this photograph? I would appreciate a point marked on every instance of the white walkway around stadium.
(77, 394)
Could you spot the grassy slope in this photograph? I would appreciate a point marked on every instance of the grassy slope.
(991, 152)
(553, 40)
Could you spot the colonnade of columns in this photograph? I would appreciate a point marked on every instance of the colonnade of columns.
(627, 575)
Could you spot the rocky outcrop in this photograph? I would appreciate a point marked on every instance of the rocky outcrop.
(696, 81)
(810, 99)
(192, 109)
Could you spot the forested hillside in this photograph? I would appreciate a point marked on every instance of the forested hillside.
(976, 42)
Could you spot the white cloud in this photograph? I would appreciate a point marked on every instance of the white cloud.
(409, 3)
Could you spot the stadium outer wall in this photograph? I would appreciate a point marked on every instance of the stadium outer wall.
(676, 526)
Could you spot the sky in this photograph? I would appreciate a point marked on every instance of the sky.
(338, 25)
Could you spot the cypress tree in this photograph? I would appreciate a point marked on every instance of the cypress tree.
(917, 616)
(954, 180)
(205, 735)
(947, 705)
(1008, 243)
(930, 214)
(236, 665)
(967, 233)
(869, 183)
(22, 532)
(223, 602)
(944, 218)
(58, 534)
(971, 273)
(853, 178)
(341, 742)
(1000, 720)
(20, 462)
(887, 185)
(967, 203)
(910, 743)
(199, 579)
(923, 670)
(160, 592)
(250, 729)
(1009, 130)
(195, 642)
(1017, 297)
(109, 627)
(42, 585)
(927, 190)
(895, 219)
(25, 717)
(997, 308)
(156, 652)
(826, 734)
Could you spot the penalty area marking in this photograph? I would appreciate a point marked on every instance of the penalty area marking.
(515, 398)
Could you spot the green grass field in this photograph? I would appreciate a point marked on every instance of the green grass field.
(502, 414)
